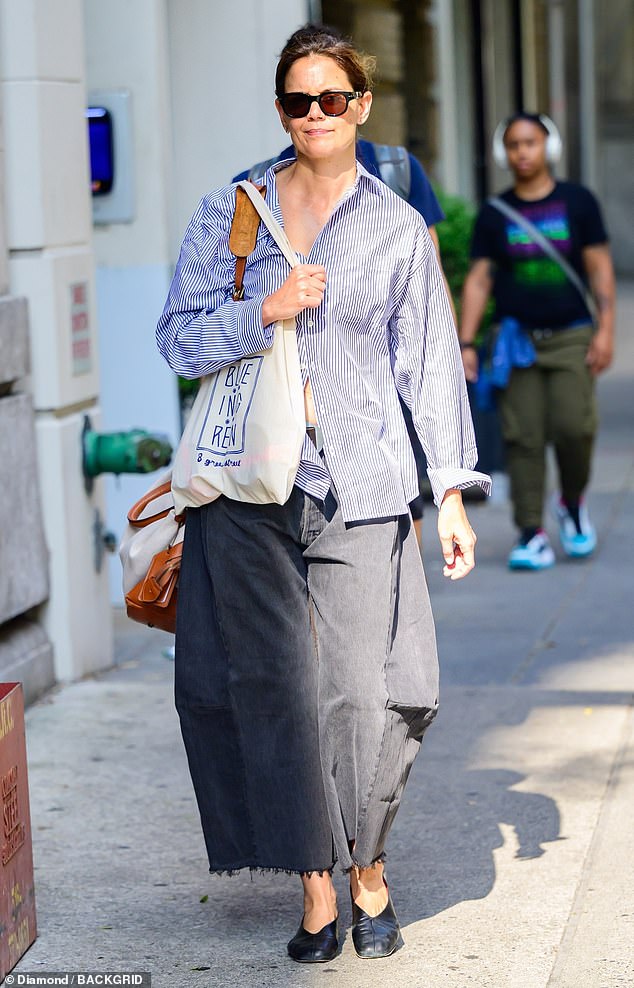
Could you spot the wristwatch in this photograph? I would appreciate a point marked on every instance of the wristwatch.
(467, 346)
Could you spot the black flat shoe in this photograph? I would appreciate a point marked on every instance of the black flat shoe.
(314, 948)
(375, 936)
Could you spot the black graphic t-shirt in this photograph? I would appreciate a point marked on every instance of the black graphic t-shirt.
(527, 284)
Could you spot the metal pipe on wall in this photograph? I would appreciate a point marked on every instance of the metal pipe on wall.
(557, 71)
(587, 94)
(447, 85)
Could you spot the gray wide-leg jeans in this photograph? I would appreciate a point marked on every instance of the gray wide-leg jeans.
(306, 675)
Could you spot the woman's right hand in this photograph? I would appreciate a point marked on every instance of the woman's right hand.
(303, 289)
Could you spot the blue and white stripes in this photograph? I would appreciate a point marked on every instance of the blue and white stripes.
(384, 326)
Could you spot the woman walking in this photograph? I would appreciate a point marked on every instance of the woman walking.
(306, 668)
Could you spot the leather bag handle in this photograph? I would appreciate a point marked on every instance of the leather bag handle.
(271, 224)
(243, 234)
(137, 509)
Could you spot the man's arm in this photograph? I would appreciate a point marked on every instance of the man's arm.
(597, 261)
(475, 295)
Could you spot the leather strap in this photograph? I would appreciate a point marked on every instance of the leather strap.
(238, 287)
(137, 509)
(242, 236)
(271, 224)
(161, 578)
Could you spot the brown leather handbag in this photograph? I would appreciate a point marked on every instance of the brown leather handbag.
(152, 547)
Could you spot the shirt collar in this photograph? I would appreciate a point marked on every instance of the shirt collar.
(364, 178)
(373, 183)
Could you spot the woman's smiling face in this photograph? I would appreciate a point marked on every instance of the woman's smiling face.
(318, 135)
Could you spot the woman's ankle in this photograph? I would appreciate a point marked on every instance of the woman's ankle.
(320, 901)
(367, 879)
(369, 889)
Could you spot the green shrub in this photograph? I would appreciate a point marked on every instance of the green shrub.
(454, 238)
(188, 388)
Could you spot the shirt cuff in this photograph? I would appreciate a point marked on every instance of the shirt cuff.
(253, 336)
(448, 478)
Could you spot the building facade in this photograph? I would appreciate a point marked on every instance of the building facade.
(450, 70)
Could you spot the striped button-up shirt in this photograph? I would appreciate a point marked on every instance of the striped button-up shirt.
(384, 328)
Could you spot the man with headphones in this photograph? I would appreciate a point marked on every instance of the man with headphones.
(541, 251)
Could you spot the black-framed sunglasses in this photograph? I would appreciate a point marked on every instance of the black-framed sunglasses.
(333, 104)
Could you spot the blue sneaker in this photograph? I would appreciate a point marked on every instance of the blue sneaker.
(535, 554)
(576, 541)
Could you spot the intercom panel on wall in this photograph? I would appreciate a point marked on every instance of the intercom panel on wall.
(109, 119)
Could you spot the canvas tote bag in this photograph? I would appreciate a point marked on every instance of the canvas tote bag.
(245, 431)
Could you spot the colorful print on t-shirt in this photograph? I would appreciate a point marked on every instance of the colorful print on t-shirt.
(530, 266)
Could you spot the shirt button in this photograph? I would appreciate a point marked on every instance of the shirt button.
(310, 323)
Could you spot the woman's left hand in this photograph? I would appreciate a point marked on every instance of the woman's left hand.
(457, 538)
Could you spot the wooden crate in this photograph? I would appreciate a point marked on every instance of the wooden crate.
(17, 894)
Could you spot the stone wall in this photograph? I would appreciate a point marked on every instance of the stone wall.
(401, 35)
(48, 227)
(26, 654)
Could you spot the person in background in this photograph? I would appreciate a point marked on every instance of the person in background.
(405, 175)
(306, 666)
(552, 400)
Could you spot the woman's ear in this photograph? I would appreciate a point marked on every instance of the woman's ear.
(281, 115)
(365, 104)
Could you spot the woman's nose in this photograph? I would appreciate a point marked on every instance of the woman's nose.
(315, 112)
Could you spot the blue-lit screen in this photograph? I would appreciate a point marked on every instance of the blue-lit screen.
(101, 149)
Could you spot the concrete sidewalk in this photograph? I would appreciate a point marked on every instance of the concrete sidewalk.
(512, 859)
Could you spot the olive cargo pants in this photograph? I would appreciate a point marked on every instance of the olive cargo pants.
(553, 401)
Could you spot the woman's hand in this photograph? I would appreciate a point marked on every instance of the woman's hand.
(471, 363)
(457, 538)
(600, 351)
(303, 289)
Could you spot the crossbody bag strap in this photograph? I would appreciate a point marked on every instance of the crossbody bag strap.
(271, 223)
(548, 248)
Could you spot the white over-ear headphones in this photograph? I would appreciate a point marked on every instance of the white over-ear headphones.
(553, 141)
